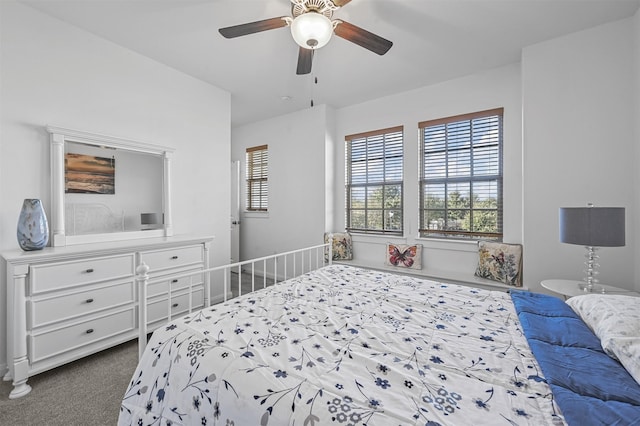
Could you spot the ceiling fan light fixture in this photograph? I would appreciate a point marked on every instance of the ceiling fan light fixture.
(311, 30)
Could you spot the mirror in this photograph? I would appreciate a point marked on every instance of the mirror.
(106, 188)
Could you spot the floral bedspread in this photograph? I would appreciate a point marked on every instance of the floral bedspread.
(344, 346)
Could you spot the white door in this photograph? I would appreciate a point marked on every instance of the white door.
(235, 211)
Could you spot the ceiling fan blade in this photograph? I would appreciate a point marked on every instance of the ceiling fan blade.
(362, 37)
(340, 3)
(305, 58)
(253, 27)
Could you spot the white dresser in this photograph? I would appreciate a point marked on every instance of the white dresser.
(65, 303)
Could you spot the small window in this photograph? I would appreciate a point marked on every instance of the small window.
(257, 178)
(461, 176)
(374, 168)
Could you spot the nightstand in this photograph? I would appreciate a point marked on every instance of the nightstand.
(570, 288)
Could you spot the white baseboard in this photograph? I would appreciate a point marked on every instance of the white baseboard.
(4, 368)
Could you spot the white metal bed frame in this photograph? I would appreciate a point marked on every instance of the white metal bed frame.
(316, 259)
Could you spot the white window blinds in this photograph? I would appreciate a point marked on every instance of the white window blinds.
(461, 176)
(374, 165)
(257, 178)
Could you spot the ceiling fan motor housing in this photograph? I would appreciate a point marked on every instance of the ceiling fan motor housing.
(323, 7)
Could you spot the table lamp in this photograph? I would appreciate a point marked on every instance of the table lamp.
(592, 227)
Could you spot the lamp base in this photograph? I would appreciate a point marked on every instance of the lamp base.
(591, 271)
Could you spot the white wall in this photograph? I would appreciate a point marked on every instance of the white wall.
(579, 146)
(53, 73)
(496, 88)
(296, 217)
(636, 73)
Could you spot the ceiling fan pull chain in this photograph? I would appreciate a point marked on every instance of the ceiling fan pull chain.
(315, 82)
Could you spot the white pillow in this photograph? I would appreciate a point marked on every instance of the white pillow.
(615, 319)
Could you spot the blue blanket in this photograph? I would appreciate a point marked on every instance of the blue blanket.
(590, 387)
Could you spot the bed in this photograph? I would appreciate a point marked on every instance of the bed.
(348, 346)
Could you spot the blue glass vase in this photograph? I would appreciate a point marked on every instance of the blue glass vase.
(33, 229)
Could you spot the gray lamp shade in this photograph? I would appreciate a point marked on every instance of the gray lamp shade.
(592, 226)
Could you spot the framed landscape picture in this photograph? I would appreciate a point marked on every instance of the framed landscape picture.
(86, 174)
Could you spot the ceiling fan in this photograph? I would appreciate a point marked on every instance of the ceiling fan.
(311, 27)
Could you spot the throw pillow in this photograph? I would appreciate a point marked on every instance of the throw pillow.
(405, 256)
(341, 245)
(500, 262)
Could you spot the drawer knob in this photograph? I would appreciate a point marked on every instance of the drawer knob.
(175, 305)
(174, 257)
(89, 331)
(89, 301)
(88, 271)
(174, 281)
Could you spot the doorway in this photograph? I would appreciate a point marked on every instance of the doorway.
(235, 211)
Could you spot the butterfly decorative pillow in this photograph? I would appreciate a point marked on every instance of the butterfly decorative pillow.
(500, 262)
(404, 256)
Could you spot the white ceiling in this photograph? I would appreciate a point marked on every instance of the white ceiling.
(434, 41)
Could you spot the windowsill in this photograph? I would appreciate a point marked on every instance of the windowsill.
(255, 215)
(377, 238)
(434, 243)
(450, 277)
(442, 244)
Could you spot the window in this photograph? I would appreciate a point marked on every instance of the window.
(461, 176)
(257, 174)
(374, 181)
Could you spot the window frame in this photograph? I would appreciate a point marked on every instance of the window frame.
(498, 178)
(257, 171)
(391, 132)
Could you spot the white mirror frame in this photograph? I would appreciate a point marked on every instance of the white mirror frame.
(58, 138)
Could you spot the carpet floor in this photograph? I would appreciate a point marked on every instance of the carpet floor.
(84, 392)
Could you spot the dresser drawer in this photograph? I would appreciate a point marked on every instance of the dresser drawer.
(60, 275)
(160, 260)
(161, 286)
(80, 334)
(157, 310)
(45, 311)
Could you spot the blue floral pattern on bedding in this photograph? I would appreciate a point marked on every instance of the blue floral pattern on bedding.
(344, 346)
